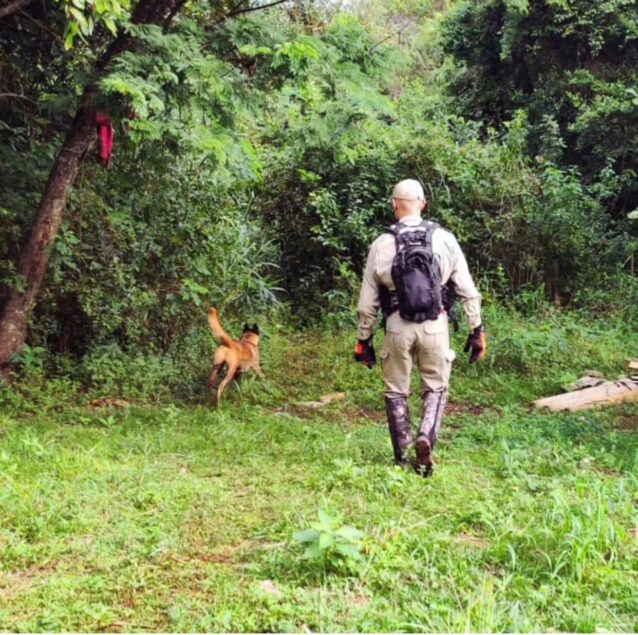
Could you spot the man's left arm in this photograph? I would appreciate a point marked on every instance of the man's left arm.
(470, 300)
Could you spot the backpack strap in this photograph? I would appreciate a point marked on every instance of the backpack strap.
(429, 229)
(401, 231)
(395, 230)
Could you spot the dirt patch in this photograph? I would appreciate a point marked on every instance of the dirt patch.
(351, 412)
(472, 541)
(128, 601)
(360, 600)
(355, 414)
(18, 582)
(459, 409)
(232, 555)
(370, 415)
(225, 555)
(627, 423)
(114, 627)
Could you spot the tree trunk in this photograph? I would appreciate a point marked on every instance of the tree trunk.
(81, 136)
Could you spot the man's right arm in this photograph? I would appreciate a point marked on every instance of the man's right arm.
(369, 301)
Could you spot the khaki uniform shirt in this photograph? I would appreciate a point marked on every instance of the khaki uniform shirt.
(452, 264)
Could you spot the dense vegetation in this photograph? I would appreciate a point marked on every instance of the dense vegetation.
(254, 156)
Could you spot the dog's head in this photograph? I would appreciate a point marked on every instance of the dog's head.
(251, 329)
(251, 334)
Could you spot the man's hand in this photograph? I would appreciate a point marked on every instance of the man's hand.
(364, 353)
(476, 344)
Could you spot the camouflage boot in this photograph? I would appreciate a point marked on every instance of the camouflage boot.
(433, 408)
(400, 427)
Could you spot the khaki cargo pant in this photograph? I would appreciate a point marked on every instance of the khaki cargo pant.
(428, 344)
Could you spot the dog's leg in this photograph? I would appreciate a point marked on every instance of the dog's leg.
(259, 372)
(215, 378)
(239, 376)
(232, 369)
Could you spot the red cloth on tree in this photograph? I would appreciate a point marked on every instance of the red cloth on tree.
(105, 133)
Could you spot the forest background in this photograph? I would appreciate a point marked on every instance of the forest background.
(255, 151)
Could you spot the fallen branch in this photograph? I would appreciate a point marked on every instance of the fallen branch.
(588, 381)
(324, 400)
(608, 393)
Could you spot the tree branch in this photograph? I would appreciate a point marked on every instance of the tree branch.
(15, 96)
(235, 7)
(45, 28)
(385, 39)
(12, 7)
(235, 12)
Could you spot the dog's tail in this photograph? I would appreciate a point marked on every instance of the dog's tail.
(216, 327)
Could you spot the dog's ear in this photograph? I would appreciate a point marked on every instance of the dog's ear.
(255, 329)
(246, 328)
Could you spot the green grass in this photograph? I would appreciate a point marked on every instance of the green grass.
(175, 517)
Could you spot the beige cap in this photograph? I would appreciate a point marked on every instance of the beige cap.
(409, 189)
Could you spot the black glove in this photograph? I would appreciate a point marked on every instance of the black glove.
(476, 344)
(364, 353)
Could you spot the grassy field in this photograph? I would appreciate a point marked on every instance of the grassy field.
(175, 517)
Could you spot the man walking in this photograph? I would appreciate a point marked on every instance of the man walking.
(407, 267)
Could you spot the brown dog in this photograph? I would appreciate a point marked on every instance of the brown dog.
(238, 355)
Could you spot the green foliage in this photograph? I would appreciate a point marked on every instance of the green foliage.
(84, 15)
(31, 359)
(570, 63)
(254, 158)
(143, 265)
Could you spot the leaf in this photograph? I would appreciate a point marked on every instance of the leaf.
(349, 551)
(116, 7)
(326, 520)
(308, 535)
(80, 18)
(313, 552)
(518, 6)
(350, 533)
(326, 540)
(110, 24)
(68, 41)
(194, 286)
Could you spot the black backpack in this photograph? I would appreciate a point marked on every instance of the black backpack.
(415, 273)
